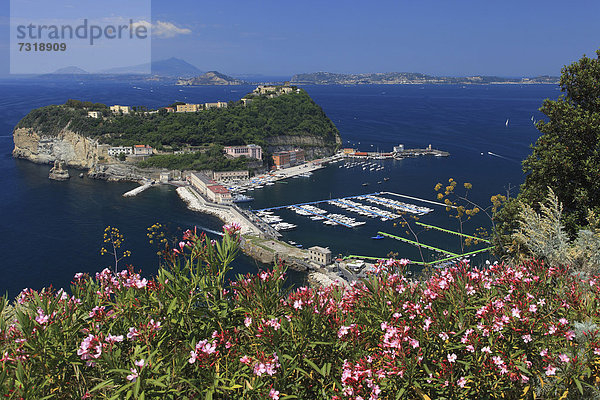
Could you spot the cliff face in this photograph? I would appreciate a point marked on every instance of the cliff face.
(77, 151)
(314, 147)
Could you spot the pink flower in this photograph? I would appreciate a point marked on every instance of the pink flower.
(462, 382)
(564, 358)
(544, 353)
(247, 321)
(414, 343)
(245, 360)
(486, 349)
(133, 333)
(471, 348)
(563, 321)
(41, 317)
(570, 335)
(154, 326)
(140, 363)
(427, 323)
(113, 339)
(452, 357)
(274, 394)
(259, 369)
(343, 331)
(444, 336)
(274, 323)
(550, 370)
(526, 338)
(516, 313)
(498, 360)
(532, 308)
(90, 348)
(133, 376)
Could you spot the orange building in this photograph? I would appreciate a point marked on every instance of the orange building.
(285, 159)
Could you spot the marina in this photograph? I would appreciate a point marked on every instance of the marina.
(352, 204)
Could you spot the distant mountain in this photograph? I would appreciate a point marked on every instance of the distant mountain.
(211, 78)
(71, 70)
(172, 67)
(408, 78)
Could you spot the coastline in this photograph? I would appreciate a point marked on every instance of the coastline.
(225, 213)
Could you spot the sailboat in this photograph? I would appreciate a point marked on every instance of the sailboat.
(507, 122)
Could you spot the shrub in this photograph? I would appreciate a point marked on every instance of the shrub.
(527, 331)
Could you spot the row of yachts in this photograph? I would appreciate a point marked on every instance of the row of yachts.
(349, 204)
(396, 205)
(318, 214)
(365, 165)
(275, 221)
(365, 210)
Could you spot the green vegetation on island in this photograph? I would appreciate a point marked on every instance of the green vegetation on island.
(259, 120)
(211, 158)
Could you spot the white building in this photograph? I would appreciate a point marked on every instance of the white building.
(399, 148)
(218, 104)
(115, 151)
(117, 108)
(320, 255)
(94, 114)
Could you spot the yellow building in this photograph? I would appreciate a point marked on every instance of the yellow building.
(188, 107)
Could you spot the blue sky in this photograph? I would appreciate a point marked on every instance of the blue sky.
(506, 38)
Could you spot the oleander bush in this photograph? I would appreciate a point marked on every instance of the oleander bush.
(496, 331)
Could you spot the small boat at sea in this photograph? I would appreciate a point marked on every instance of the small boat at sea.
(378, 237)
(386, 179)
(507, 122)
(365, 184)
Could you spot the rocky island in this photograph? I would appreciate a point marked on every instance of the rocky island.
(211, 78)
(124, 143)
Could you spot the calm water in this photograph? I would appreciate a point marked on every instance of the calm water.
(51, 230)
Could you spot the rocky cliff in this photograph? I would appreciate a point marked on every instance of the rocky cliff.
(314, 147)
(76, 150)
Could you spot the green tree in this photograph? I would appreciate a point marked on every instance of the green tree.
(566, 157)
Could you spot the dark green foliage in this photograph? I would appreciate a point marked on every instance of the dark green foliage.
(290, 114)
(212, 159)
(566, 157)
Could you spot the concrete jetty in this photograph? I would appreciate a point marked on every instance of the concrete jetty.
(227, 214)
(137, 190)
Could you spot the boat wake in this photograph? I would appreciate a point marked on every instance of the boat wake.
(499, 156)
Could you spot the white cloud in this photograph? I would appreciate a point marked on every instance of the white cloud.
(163, 29)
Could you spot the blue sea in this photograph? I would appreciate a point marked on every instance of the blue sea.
(52, 230)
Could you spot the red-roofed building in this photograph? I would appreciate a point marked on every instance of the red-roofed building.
(142, 150)
(219, 194)
(211, 189)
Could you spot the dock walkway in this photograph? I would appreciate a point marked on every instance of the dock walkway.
(137, 190)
